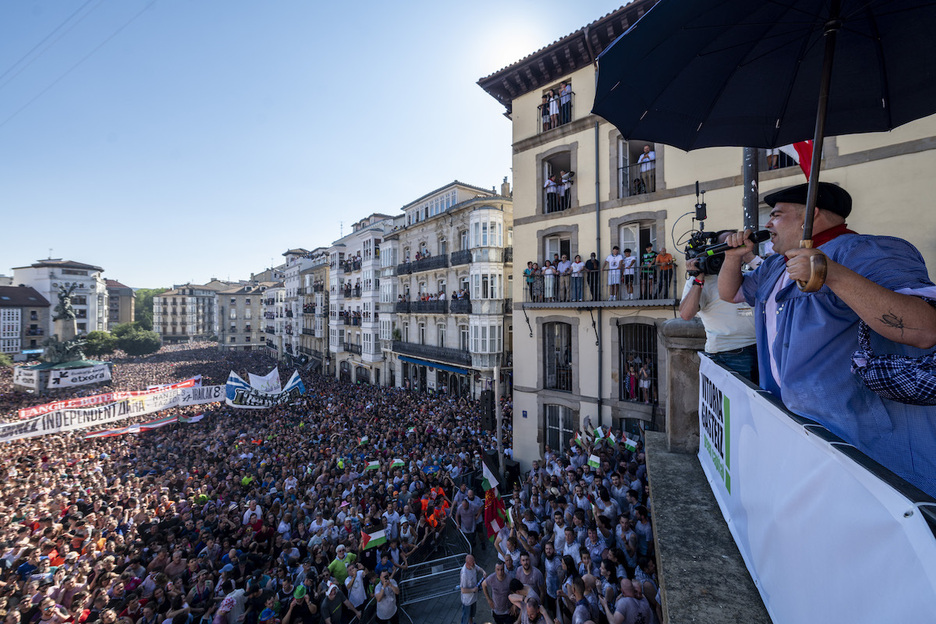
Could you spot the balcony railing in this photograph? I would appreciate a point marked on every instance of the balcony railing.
(461, 257)
(460, 306)
(435, 307)
(308, 332)
(352, 348)
(508, 254)
(555, 111)
(289, 314)
(423, 264)
(647, 286)
(34, 332)
(356, 291)
(404, 268)
(269, 329)
(445, 354)
(318, 288)
(637, 179)
(402, 307)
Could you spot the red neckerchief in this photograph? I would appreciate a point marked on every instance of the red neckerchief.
(826, 235)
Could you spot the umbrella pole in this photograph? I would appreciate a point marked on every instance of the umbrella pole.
(817, 262)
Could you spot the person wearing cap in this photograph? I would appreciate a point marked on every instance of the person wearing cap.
(339, 565)
(333, 606)
(806, 340)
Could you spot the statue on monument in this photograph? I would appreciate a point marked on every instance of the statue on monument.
(68, 350)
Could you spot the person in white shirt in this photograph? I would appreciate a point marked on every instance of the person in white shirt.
(647, 162)
(613, 266)
(578, 279)
(630, 262)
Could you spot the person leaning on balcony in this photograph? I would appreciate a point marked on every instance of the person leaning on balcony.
(565, 103)
(564, 269)
(578, 279)
(664, 265)
(593, 275)
(630, 264)
(647, 269)
(528, 277)
(613, 265)
(552, 194)
(553, 109)
(647, 162)
(565, 189)
(544, 112)
(805, 341)
(537, 284)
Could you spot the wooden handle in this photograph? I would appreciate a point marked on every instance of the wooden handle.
(817, 270)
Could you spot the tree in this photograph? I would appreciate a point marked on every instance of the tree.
(125, 328)
(5, 361)
(99, 343)
(139, 342)
(143, 306)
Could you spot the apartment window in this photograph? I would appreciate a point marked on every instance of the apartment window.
(440, 335)
(247, 301)
(232, 339)
(637, 167)
(233, 314)
(638, 358)
(486, 285)
(486, 338)
(405, 332)
(82, 326)
(247, 314)
(558, 183)
(557, 356)
(487, 228)
(233, 301)
(443, 247)
(422, 333)
(463, 338)
(636, 237)
(560, 427)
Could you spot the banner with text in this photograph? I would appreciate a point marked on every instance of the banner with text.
(794, 502)
(72, 419)
(100, 399)
(240, 394)
(68, 377)
(26, 377)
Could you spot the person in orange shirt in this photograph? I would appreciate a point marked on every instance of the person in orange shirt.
(664, 265)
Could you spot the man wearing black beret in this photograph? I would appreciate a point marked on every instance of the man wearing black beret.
(805, 340)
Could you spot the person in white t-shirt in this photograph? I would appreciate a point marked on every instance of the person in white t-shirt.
(630, 262)
(613, 266)
(578, 279)
(730, 338)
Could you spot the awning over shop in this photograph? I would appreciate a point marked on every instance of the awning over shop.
(445, 367)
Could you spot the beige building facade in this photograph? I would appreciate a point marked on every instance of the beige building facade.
(187, 312)
(24, 316)
(588, 358)
(120, 304)
(240, 314)
(313, 348)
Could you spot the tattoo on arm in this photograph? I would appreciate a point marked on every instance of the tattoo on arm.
(892, 320)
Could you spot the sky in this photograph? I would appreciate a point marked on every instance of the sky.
(173, 141)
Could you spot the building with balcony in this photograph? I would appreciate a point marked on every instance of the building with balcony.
(240, 317)
(189, 312)
(353, 295)
(275, 322)
(24, 317)
(445, 317)
(581, 188)
(120, 304)
(313, 341)
(89, 299)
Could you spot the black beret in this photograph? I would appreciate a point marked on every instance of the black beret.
(831, 197)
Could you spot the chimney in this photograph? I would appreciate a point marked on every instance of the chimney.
(505, 188)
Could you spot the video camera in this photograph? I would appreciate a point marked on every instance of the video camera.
(698, 246)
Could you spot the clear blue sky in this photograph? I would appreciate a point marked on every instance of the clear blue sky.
(172, 140)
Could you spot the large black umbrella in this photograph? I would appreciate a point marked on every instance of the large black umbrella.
(761, 73)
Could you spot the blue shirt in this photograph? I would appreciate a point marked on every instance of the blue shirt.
(816, 337)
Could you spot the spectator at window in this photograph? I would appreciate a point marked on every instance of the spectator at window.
(549, 281)
(565, 188)
(577, 270)
(528, 277)
(552, 194)
(647, 162)
(593, 275)
(564, 271)
(629, 265)
(553, 109)
(544, 112)
(664, 264)
(565, 103)
(647, 268)
(613, 266)
(538, 286)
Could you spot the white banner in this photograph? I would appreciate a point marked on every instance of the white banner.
(68, 377)
(188, 383)
(796, 505)
(98, 399)
(268, 384)
(238, 393)
(28, 378)
(72, 419)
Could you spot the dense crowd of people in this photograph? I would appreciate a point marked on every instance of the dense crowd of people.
(252, 516)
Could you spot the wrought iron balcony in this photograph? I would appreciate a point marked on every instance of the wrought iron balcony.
(455, 356)
(437, 307)
(460, 306)
(352, 348)
(461, 257)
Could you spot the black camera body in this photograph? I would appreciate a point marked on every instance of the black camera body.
(697, 247)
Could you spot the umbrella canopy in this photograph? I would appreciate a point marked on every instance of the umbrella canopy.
(746, 73)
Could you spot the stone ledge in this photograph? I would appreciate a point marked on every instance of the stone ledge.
(702, 576)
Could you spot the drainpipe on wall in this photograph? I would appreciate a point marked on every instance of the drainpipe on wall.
(598, 248)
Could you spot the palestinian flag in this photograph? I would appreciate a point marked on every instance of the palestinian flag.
(630, 445)
(191, 419)
(593, 461)
(363, 440)
(490, 482)
(611, 439)
(374, 465)
(371, 540)
(397, 463)
(578, 439)
(411, 430)
(599, 433)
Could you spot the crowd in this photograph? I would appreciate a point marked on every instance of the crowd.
(252, 516)
(621, 277)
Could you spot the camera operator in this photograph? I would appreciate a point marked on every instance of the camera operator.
(730, 339)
